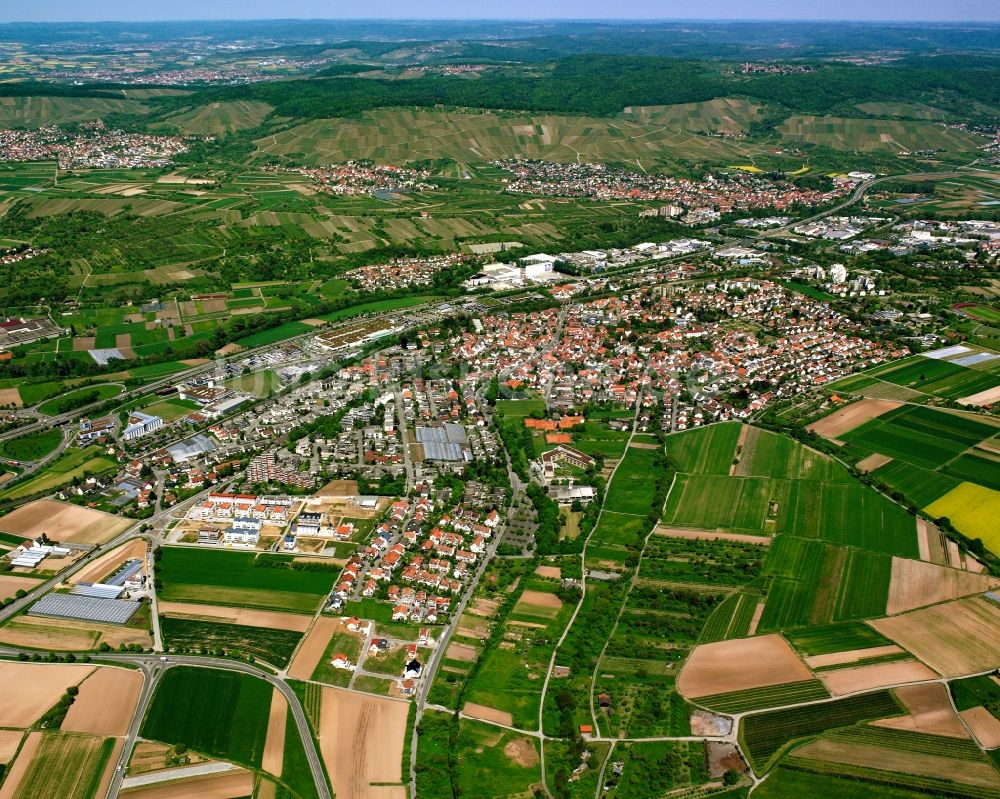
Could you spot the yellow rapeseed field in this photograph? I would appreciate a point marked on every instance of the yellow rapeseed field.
(973, 510)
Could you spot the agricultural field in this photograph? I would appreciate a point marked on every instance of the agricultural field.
(816, 583)
(493, 762)
(190, 635)
(220, 118)
(399, 135)
(867, 135)
(63, 522)
(59, 764)
(508, 681)
(232, 578)
(765, 734)
(218, 713)
(658, 768)
(973, 510)
(708, 450)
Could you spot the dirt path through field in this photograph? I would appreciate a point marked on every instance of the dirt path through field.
(274, 748)
(740, 442)
(712, 535)
(757, 613)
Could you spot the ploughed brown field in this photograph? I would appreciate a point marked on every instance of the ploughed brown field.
(106, 702)
(361, 742)
(63, 522)
(953, 638)
(33, 688)
(739, 665)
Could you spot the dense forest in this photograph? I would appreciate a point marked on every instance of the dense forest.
(603, 85)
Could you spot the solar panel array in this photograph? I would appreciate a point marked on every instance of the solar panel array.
(73, 606)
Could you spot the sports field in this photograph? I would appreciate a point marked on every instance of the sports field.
(220, 713)
(231, 578)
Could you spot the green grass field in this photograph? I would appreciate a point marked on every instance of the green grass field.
(31, 447)
(817, 583)
(400, 135)
(518, 409)
(873, 135)
(101, 392)
(632, 490)
(826, 638)
(63, 470)
(220, 118)
(230, 578)
(485, 770)
(219, 713)
(707, 450)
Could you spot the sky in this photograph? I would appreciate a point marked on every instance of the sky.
(155, 10)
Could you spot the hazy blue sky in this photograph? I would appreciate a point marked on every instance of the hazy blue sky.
(131, 10)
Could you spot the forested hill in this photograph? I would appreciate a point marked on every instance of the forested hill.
(604, 85)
